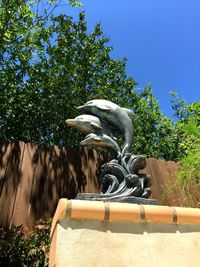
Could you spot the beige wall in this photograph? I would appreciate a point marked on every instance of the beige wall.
(103, 244)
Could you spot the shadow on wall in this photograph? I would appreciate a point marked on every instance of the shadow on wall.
(129, 227)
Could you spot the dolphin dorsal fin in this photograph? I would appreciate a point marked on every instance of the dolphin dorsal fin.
(98, 138)
(104, 108)
(96, 126)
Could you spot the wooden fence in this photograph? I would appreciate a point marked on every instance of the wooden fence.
(34, 177)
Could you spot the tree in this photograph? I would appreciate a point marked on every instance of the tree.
(62, 66)
(188, 124)
(52, 64)
(19, 24)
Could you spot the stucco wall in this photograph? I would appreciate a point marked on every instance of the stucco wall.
(104, 244)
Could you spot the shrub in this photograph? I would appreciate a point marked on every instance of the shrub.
(186, 182)
(25, 246)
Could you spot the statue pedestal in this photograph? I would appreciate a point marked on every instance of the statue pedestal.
(103, 234)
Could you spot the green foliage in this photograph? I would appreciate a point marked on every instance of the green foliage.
(188, 125)
(21, 246)
(155, 134)
(186, 180)
(190, 162)
(75, 3)
(51, 64)
(191, 133)
(67, 66)
(190, 167)
(188, 146)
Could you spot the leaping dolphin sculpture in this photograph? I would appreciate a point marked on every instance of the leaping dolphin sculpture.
(119, 118)
(102, 140)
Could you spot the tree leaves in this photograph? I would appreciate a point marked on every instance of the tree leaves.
(49, 65)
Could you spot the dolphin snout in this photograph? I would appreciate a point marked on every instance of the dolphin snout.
(80, 107)
(83, 142)
(70, 122)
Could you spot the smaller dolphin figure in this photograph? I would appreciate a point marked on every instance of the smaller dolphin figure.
(101, 140)
(85, 124)
(91, 124)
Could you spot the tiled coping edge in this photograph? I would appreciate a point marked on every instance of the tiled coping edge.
(123, 212)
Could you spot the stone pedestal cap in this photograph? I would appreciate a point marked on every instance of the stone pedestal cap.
(123, 212)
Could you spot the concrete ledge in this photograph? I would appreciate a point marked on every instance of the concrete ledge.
(118, 212)
(93, 233)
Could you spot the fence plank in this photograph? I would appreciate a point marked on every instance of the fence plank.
(21, 208)
(94, 163)
(5, 151)
(175, 194)
(37, 200)
(147, 169)
(83, 181)
(11, 182)
(164, 180)
(53, 188)
(69, 162)
(157, 178)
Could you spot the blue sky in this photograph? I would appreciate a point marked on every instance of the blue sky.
(160, 38)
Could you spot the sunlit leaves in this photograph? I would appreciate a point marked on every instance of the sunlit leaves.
(61, 66)
(51, 64)
(75, 3)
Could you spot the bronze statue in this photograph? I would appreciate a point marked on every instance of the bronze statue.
(120, 179)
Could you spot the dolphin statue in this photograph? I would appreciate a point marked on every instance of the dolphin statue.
(117, 117)
(85, 124)
(101, 140)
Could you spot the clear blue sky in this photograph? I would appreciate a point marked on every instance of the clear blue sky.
(160, 38)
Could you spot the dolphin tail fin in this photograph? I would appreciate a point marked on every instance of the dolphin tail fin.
(130, 113)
